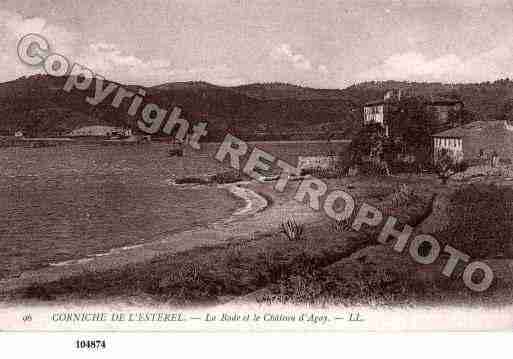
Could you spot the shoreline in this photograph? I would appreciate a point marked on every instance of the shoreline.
(9, 142)
(241, 223)
(254, 203)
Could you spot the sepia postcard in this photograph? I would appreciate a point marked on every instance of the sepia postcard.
(256, 166)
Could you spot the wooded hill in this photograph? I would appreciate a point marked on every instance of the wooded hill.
(39, 106)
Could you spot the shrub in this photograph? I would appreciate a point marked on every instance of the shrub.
(310, 171)
(342, 226)
(344, 163)
(404, 167)
(374, 168)
(320, 172)
(218, 178)
(402, 196)
(446, 166)
(461, 166)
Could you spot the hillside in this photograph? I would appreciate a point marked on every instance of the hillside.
(281, 91)
(40, 107)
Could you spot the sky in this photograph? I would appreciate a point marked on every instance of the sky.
(323, 44)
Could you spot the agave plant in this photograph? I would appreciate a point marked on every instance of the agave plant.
(292, 230)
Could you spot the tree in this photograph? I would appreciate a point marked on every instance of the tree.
(412, 124)
(506, 112)
(365, 141)
(369, 148)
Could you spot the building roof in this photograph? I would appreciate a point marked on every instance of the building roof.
(457, 132)
(475, 127)
(378, 102)
(374, 103)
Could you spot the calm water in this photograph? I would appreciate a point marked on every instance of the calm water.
(63, 203)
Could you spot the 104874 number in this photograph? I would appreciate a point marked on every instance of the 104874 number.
(90, 344)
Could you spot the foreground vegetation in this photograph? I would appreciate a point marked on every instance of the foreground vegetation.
(326, 263)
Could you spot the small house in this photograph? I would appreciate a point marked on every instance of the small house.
(442, 107)
(476, 140)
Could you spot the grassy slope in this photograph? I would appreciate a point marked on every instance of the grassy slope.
(479, 224)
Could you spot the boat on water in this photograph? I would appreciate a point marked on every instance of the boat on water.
(176, 148)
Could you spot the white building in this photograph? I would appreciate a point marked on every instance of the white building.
(374, 112)
(477, 139)
(453, 145)
(379, 112)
